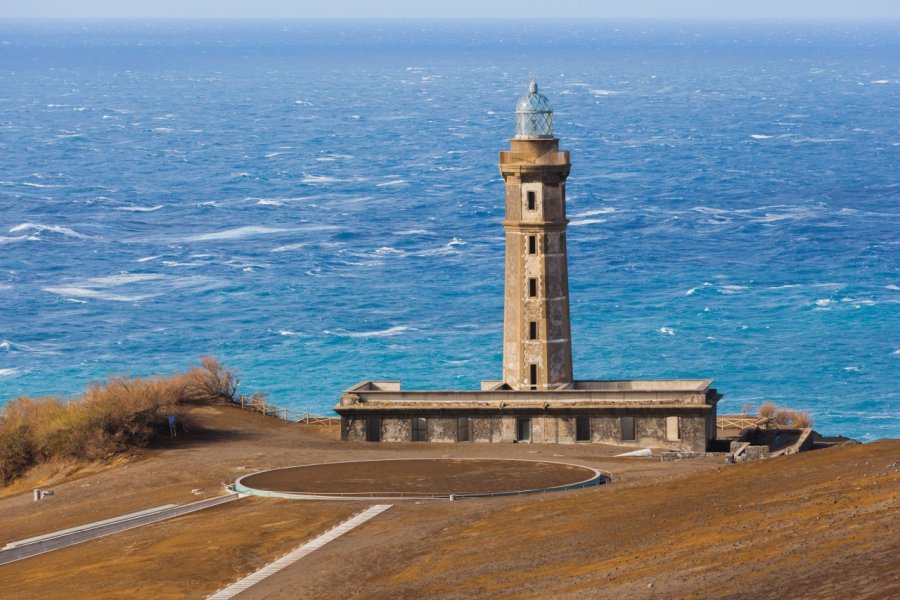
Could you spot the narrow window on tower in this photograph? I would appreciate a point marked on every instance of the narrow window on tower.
(533, 374)
(532, 287)
(532, 244)
(530, 200)
(532, 330)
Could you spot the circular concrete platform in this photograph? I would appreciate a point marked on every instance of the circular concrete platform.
(425, 478)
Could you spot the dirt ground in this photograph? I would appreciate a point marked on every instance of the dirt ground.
(425, 476)
(814, 525)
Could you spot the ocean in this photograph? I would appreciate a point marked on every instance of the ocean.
(319, 203)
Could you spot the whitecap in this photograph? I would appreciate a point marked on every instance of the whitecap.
(394, 182)
(586, 222)
(600, 211)
(852, 369)
(759, 136)
(273, 154)
(391, 331)
(731, 289)
(148, 258)
(667, 331)
(289, 247)
(9, 372)
(896, 352)
(823, 302)
(693, 290)
(140, 208)
(236, 233)
(39, 227)
(163, 129)
(82, 292)
(287, 332)
(319, 179)
(412, 232)
(817, 140)
(270, 202)
(40, 185)
(6, 345)
(881, 81)
(892, 287)
(601, 92)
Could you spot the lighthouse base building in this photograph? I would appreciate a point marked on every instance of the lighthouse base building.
(537, 400)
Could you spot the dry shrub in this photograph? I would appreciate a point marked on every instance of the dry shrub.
(746, 409)
(107, 419)
(792, 419)
(767, 410)
(785, 417)
(210, 382)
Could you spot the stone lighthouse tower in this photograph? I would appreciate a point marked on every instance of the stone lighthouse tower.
(537, 345)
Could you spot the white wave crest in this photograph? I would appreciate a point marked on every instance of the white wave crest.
(392, 331)
(693, 290)
(9, 372)
(234, 234)
(319, 179)
(40, 227)
(666, 331)
(578, 223)
(128, 287)
(140, 208)
(390, 183)
(592, 213)
(289, 247)
(759, 136)
(602, 92)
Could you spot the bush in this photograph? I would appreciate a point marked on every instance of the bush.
(107, 419)
(785, 417)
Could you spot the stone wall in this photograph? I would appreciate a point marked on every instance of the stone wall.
(650, 429)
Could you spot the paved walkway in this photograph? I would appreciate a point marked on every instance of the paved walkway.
(75, 535)
(290, 558)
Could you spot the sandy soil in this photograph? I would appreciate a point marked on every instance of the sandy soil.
(426, 476)
(820, 524)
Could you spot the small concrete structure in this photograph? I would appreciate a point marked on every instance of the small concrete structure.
(537, 400)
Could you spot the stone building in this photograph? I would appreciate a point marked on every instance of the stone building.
(537, 399)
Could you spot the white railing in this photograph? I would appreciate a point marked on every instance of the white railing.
(259, 405)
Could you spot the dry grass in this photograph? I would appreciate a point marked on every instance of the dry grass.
(107, 419)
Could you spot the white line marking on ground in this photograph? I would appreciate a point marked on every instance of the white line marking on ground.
(291, 557)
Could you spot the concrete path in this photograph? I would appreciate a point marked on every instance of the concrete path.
(288, 559)
(75, 535)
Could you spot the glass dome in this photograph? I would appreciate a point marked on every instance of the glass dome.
(534, 115)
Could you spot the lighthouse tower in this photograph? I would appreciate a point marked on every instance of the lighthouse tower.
(537, 345)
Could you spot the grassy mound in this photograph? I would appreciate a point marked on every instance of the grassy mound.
(107, 419)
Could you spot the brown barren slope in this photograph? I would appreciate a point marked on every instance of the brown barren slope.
(821, 524)
(816, 525)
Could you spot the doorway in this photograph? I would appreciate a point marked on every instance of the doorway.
(373, 429)
(523, 430)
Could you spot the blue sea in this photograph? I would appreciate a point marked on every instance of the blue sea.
(319, 203)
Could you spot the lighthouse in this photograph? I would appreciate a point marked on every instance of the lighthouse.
(536, 399)
(537, 344)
